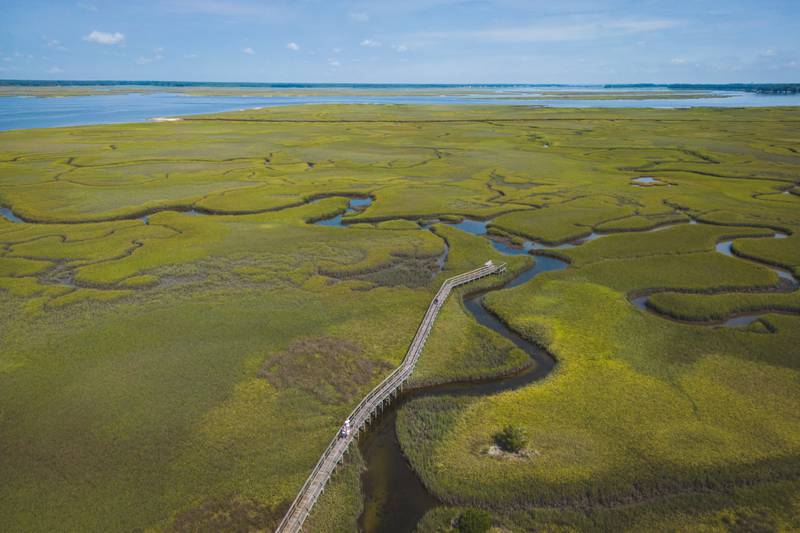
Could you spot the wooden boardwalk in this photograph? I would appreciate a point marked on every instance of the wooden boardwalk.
(371, 404)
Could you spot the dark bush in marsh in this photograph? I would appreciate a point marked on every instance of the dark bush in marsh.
(474, 521)
(511, 438)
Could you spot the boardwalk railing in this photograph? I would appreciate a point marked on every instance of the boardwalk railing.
(370, 405)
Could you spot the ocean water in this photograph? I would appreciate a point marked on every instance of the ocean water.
(30, 112)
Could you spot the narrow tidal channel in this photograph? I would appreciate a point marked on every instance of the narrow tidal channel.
(394, 497)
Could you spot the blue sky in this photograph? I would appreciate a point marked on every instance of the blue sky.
(425, 41)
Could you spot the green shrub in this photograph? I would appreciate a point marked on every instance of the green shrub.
(511, 439)
(474, 521)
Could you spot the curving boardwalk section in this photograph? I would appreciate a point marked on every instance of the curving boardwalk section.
(370, 405)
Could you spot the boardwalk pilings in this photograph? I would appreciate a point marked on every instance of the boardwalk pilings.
(371, 404)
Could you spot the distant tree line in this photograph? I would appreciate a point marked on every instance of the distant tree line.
(763, 88)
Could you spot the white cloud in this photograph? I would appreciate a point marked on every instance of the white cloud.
(190, 56)
(158, 55)
(101, 37)
(334, 63)
(249, 51)
(231, 8)
(336, 50)
(293, 46)
(573, 31)
(55, 70)
(53, 43)
(677, 61)
(400, 48)
(87, 7)
(359, 17)
(370, 43)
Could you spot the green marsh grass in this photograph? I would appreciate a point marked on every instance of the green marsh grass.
(130, 395)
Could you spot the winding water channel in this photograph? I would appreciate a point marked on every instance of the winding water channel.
(394, 497)
(356, 201)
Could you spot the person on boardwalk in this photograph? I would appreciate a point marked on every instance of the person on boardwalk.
(345, 431)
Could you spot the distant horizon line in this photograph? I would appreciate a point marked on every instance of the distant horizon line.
(182, 83)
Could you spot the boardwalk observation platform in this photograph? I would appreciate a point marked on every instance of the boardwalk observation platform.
(373, 402)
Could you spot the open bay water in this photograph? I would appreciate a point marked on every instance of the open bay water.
(24, 112)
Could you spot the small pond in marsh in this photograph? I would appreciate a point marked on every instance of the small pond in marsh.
(7, 214)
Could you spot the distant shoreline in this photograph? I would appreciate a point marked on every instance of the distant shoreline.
(27, 107)
(779, 88)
